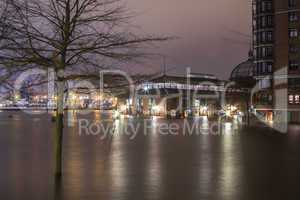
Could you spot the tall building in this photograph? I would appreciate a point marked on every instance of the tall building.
(276, 46)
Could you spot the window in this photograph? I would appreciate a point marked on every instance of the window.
(294, 99)
(258, 68)
(292, 3)
(269, 36)
(266, 6)
(258, 8)
(264, 83)
(291, 99)
(293, 33)
(263, 22)
(293, 49)
(269, 67)
(266, 36)
(263, 6)
(258, 53)
(269, 20)
(264, 68)
(254, 24)
(263, 36)
(294, 82)
(297, 99)
(263, 53)
(269, 6)
(293, 17)
(293, 65)
(269, 52)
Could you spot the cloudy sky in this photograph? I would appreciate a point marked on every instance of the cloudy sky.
(214, 35)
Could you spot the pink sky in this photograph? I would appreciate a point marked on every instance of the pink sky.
(214, 35)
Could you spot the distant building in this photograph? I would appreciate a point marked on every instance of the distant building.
(243, 77)
(276, 45)
(177, 95)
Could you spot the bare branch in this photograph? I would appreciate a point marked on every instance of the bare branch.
(69, 35)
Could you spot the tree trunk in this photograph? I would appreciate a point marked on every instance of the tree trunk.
(59, 128)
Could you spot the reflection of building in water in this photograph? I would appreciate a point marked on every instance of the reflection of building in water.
(177, 95)
(276, 57)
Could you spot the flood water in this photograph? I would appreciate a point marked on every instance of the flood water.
(239, 164)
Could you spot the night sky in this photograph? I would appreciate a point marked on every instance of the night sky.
(214, 36)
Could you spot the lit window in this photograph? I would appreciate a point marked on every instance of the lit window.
(297, 99)
(254, 9)
(263, 51)
(293, 33)
(264, 83)
(293, 17)
(197, 103)
(291, 99)
(270, 98)
(270, 67)
(269, 36)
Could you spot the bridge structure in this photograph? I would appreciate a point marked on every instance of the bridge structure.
(192, 95)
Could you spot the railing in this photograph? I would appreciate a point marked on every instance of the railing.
(180, 86)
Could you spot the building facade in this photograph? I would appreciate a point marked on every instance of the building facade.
(276, 47)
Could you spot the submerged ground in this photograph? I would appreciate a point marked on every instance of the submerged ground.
(238, 164)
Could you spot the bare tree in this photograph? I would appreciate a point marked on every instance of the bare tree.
(3, 31)
(72, 37)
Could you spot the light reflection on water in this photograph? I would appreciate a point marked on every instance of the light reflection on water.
(229, 172)
(204, 126)
(153, 166)
(228, 130)
(118, 168)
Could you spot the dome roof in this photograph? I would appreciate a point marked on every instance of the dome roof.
(243, 70)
